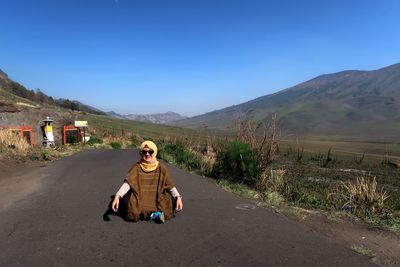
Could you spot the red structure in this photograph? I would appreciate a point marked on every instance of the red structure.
(71, 134)
(24, 131)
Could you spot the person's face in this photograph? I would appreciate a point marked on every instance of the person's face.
(147, 154)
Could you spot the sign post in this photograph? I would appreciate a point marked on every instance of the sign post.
(84, 125)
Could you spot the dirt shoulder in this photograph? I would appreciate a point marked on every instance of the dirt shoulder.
(384, 245)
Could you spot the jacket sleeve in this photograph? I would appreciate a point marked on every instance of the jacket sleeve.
(131, 177)
(168, 184)
(123, 189)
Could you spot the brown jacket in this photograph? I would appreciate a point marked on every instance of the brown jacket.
(163, 199)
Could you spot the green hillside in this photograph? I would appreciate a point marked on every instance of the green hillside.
(362, 105)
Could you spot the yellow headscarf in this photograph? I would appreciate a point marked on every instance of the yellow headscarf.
(148, 167)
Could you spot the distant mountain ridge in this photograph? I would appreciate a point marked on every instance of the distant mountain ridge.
(159, 118)
(354, 103)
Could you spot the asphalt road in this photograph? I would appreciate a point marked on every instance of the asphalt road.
(61, 224)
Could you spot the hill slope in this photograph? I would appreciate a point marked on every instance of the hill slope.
(11, 88)
(20, 106)
(358, 104)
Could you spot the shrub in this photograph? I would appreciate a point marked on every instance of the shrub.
(181, 155)
(45, 154)
(265, 145)
(237, 162)
(116, 145)
(94, 140)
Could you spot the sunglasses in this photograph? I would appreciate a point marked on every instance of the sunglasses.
(144, 152)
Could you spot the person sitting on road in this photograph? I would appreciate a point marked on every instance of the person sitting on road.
(152, 189)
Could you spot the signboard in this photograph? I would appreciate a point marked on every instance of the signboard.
(81, 124)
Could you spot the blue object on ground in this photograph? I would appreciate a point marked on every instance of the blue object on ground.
(157, 216)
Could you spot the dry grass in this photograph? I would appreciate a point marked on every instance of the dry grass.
(274, 182)
(107, 141)
(363, 196)
(11, 143)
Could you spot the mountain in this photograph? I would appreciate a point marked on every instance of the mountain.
(159, 118)
(115, 115)
(9, 86)
(4, 80)
(358, 104)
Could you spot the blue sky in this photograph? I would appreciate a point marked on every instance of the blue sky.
(189, 56)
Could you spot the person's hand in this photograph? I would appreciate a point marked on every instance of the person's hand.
(115, 203)
(179, 204)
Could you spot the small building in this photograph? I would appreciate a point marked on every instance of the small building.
(75, 133)
(25, 132)
(71, 134)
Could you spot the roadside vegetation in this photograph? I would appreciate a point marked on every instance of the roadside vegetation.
(13, 147)
(253, 165)
(364, 251)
